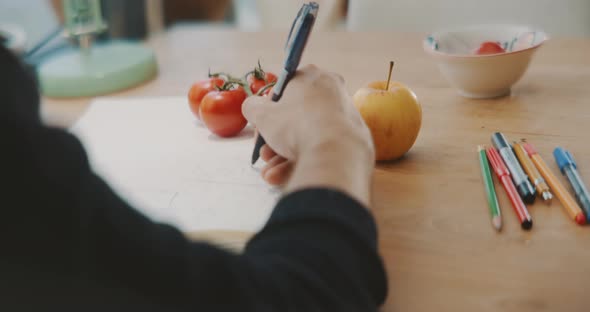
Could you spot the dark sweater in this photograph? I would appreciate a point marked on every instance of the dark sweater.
(68, 241)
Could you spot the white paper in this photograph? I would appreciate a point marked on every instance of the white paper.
(169, 166)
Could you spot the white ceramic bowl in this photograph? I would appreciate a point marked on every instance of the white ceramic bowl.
(483, 76)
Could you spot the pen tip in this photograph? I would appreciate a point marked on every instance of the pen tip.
(481, 148)
(497, 223)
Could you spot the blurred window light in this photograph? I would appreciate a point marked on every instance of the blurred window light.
(255, 15)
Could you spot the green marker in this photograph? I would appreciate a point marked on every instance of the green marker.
(490, 190)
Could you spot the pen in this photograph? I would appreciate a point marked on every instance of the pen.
(568, 167)
(522, 183)
(300, 31)
(568, 203)
(534, 175)
(490, 190)
(526, 222)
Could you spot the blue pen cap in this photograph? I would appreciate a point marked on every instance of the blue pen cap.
(563, 158)
(499, 141)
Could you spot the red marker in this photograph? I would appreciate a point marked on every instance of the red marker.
(526, 222)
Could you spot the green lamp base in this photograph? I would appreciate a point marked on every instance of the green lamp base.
(104, 68)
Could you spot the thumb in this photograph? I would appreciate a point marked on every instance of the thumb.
(255, 108)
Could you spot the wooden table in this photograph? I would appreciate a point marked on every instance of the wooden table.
(435, 234)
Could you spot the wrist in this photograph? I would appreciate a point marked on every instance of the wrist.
(342, 151)
(345, 165)
(343, 139)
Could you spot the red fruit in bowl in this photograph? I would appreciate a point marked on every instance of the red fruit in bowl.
(489, 47)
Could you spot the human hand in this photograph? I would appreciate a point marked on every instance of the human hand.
(314, 110)
(315, 133)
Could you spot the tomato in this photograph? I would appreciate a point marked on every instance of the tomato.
(221, 111)
(270, 77)
(258, 83)
(199, 89)
(255, 84)
(258, 78)
(489, 47)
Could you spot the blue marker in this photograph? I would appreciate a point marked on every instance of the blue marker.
(568, 167)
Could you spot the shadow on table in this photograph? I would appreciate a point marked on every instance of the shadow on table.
(246, 134)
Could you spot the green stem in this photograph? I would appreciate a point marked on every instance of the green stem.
(266, 87)
(242, 83)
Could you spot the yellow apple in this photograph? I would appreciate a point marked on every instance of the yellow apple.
(393, 115)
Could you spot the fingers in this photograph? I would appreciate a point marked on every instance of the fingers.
(266, 153)
(307, 73)
(255, 107)
(310, 68)
(337, 77)
(277, 169)
(312, 92)
(277, 159)
(279, 174)
(312, 71)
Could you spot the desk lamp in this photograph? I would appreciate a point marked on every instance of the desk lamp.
(93, 69)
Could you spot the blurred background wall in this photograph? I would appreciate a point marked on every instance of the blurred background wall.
(138, 18)
(556, 17)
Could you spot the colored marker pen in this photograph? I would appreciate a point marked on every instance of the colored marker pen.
(568, 167)
(520, 179)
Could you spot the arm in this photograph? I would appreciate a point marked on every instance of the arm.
(319, 135)
(317, 252)
(67, 232)
(339, 166)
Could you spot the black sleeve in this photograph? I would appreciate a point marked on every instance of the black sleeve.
(69, 240)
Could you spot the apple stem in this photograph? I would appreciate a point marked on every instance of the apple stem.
(389, 75)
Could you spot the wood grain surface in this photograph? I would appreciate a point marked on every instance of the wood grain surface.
(436, 239)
